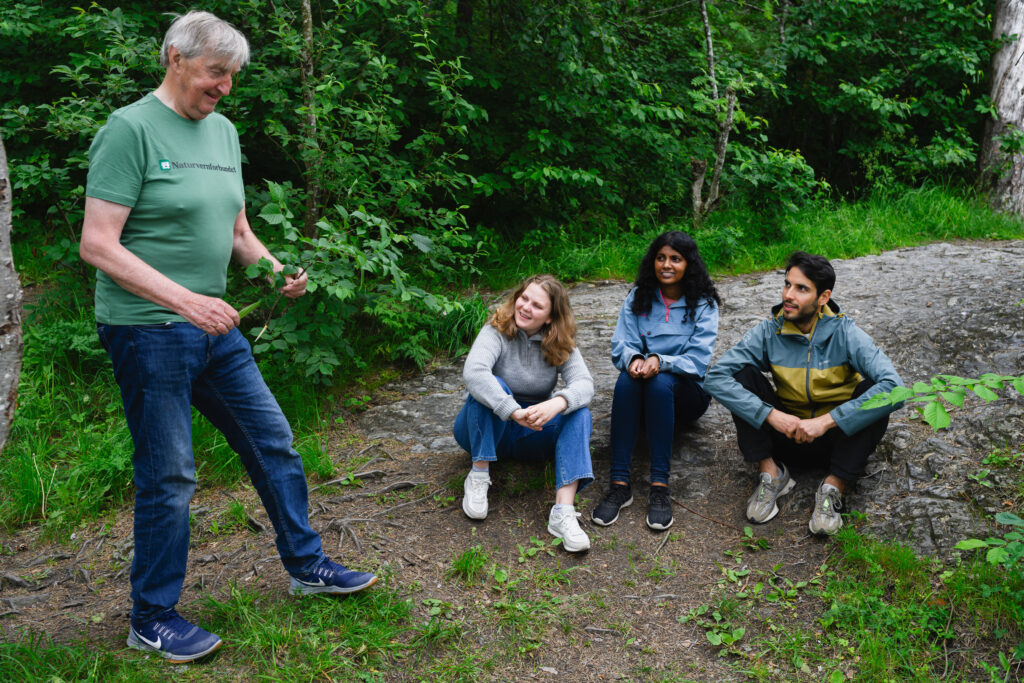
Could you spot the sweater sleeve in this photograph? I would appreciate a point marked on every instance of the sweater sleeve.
(579, 385)
(478, 373)
(695, 353)
(868, 360)
(722, 385)
(626, 338)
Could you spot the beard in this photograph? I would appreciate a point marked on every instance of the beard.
(801, 316)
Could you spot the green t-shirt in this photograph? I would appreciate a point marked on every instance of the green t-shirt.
(183, 182)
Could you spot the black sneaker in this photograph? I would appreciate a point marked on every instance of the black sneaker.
(659, 509)
(607, 511)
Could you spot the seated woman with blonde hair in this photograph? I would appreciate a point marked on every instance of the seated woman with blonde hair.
(513, 410)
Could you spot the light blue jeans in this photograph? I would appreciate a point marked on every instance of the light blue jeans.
(162, 371)
(485, 436)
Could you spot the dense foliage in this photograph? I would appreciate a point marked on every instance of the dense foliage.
(448, 135)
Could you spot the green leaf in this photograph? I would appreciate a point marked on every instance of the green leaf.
(876, 401)
(1009, 518)
(997, 556)
(248, 309)
(922, 388)
(422, 242)
(971, 544)
(935, 414)
(1018, 384)
(985, 393)
(954, 397)
(714, 638)
(836, 677)
(272, 214)
(993, 380)
(900, 394)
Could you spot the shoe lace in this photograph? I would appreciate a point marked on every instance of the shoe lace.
(569, 518)
(171, 625)
(619, 495)
(326, 569)
(831, 501)
(660, 495)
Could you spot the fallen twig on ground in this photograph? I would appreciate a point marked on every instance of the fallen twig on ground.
(395, 507)
(710, 519)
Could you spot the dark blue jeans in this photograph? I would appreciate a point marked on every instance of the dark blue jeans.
(162, 371)
(656, 403)
(485, 436)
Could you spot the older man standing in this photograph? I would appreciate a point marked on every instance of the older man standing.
(164, 214)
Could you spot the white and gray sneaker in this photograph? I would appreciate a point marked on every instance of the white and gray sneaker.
(763, 503)
(563, 524)
(826, 520)
(474, 499)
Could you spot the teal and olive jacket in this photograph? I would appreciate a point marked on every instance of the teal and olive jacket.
(814, 373)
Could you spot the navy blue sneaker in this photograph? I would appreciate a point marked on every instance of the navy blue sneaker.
(332, 578)
(173, 638)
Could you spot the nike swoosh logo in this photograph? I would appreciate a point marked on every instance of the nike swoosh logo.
(155, 644)
(319, 582)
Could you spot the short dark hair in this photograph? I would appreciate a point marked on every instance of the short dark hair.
(815, 267)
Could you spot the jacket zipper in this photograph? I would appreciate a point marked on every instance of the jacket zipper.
(807, 369)
(663, 303)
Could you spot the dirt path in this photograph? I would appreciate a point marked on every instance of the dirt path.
(614, 611)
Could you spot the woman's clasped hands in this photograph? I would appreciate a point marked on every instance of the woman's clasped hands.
(536, 416)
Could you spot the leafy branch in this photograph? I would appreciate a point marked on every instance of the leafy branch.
(932, 397)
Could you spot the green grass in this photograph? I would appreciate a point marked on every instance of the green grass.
(885, 614)
(275, 637)
(364, 637)
(469, 565)
(739, 241)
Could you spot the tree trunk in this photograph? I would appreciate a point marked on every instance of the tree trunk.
(313, 189)
(1002, 150)
(711, 53)
(10, 309)
(464, 20)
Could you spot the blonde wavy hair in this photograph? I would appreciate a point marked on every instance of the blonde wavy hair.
(559, 334)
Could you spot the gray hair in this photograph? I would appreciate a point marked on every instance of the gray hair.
(196, 34)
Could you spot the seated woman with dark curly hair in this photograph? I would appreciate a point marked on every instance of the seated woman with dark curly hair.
(662, 346)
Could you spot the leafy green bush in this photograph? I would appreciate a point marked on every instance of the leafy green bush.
(885, 91)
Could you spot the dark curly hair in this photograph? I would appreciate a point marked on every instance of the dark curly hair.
(697, 284)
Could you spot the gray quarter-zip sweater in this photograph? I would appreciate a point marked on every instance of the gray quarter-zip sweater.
(520, 362)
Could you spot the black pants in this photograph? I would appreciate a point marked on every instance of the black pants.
(846, 455)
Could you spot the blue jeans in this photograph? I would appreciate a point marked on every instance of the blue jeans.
(485, 436)
(658, 402)
(162, 371)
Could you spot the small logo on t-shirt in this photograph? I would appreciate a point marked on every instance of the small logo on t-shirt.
(165, 165)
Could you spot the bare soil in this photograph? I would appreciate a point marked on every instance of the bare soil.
(625, 595)
(613, 612)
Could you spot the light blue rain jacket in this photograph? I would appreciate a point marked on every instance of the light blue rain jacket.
(683, 345)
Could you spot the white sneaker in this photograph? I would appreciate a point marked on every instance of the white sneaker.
(564, 526)
(474, 502)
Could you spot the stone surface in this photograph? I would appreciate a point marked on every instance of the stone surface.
(941, 308)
